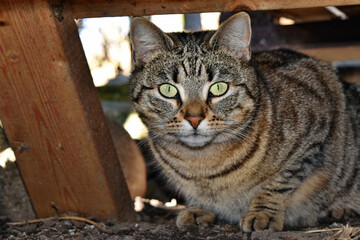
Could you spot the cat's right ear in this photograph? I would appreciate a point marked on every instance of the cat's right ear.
(147, 40)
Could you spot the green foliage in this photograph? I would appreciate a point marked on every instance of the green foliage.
(114, 93)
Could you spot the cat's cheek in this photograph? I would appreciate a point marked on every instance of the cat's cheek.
(163, 108)
(219, 112)
(240, 115)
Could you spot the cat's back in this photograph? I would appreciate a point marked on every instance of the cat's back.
(311, 105)
(313, 108)
(307, 101)
(352, 95)
(292, 78)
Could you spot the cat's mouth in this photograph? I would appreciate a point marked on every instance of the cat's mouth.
(195, 139)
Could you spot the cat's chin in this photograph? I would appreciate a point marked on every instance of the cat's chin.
(195, 140)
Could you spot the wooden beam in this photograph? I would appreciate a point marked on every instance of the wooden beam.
(52, 115)
(302, 15)
(306, 35)
(331, 54)
(323, 39)
(106, 8)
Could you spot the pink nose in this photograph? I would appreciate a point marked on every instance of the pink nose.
(194, 121)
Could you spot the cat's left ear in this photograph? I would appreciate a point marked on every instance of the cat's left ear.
(234, 35)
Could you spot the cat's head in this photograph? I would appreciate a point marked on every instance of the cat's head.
(194, 88)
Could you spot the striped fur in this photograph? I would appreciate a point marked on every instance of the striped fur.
(280, 147)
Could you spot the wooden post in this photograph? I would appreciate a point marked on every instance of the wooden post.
(52, 115)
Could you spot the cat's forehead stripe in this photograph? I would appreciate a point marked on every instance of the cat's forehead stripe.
(191, 46)
(185, 65)
(198, 65)
(192, 66)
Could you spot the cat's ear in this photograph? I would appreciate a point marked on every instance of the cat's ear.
(147, 40)
(234, 35)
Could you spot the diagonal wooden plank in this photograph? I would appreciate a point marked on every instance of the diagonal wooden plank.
(104, 8)
(52, 115)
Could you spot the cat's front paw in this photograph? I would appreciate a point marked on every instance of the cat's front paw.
(193, 216)
(262, 220)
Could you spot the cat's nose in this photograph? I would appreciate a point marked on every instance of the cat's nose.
(194, 120)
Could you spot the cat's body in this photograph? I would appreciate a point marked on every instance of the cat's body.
(265, 140)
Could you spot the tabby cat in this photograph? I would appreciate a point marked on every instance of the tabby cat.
(265, 140)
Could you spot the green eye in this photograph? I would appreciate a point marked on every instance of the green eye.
(168, 90)
(218, 89)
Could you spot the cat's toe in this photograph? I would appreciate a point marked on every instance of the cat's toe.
(254, 221)
(340, 213)
(205, 219)
(185, 218)
(262, 220)
(193, 216)
(276, 224)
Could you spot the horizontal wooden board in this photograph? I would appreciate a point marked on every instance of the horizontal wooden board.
(329, 41)
(331, 54)
(303, 15)
(105, 8)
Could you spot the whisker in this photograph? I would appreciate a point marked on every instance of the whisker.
(238, 134)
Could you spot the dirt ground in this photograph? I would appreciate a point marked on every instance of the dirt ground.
(152, 222)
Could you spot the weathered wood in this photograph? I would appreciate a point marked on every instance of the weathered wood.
(104, 8)
(52, 115)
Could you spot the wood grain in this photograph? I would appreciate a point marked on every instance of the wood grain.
(52, 115)
(105, 8)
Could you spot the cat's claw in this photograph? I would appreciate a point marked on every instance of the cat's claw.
(195, 216)
(262, 220)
